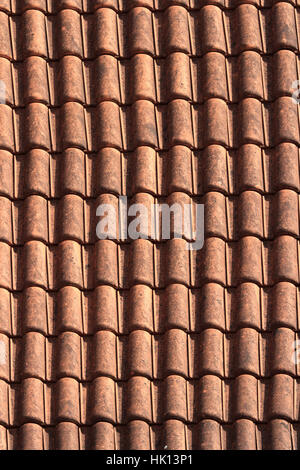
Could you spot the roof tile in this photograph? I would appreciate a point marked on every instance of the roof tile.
(142, 269)
(283, 407)
(279, 436)
(5, 5)
(211, 269)
(105, 308)
(287, 129)
(139, 435)
(180, 123)
(209, 435)
(244, 435)
(34, 4)
(33, 351)
(250, 214)
(31, 437)
(176, 30)
(6, 133)
(285, 64)
(177, 307)
(279, 361)
(72, 4)
(6, 77)
(67, 403)
(35, 265)
(103, 400)
(104, 361)
(69, 38)
(138, 405)
(248, 298)
(105, 73)
(34, 34)
(286, 175)
(285, 259)
(67, 436)
(105, 3)
(105, 272)
(251, 122)
(5, 364)
(103, 436)
(244, 402)
(72, 126)
(69, 72)
(210, 352)
(250, 170)
(32, 405)
(211, 28)
(36, 128)
(5, 45)
(174, 434)
(175, 353)
(247, 352)
(284, 24)
(104, 32)
(214, 81)
(144, 124)
(175, 402)
(285, 301)
(34, 309)
(140, 343)
(210, 389)
(109, 131)
(141, 32)
(217, 122)
(248, 254)
(178, 67)
(248, 23)
(249, 75)
(144, 167)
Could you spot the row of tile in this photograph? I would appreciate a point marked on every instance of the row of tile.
(152, 402)
(142, 262)
(148, 171)
(155, 311)
(155, 33)
(73, 218)
(150, 356)
(138, 435)
(144, 124)
(142, 77)
(53, 6)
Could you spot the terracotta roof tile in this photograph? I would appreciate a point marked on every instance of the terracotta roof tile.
(142, 344)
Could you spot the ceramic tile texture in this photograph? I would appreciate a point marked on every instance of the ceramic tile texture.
(140, 345)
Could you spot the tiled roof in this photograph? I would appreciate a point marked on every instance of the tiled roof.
(142, 344)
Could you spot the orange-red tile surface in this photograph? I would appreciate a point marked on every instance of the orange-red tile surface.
(114, 345)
